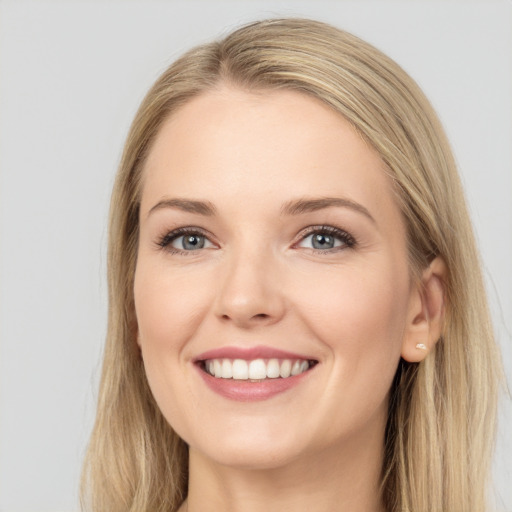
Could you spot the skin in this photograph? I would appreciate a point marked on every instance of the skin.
(354, 308)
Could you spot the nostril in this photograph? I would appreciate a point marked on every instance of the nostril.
(255, 319)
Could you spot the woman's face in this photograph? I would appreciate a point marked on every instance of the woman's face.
(271, 248)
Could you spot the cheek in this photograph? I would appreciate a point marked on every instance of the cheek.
(360, 317)
(356, 301)
(168, 305)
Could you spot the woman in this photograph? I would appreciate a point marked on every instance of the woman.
(297, 316)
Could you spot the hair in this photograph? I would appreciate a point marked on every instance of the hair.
(440, 432)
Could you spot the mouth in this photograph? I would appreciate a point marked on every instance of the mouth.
(255, 370)
(253, 374)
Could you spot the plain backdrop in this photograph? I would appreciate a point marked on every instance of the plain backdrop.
(71, 77)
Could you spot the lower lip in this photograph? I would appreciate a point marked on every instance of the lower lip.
(247, 391)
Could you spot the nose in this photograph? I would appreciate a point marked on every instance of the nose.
(250, 292)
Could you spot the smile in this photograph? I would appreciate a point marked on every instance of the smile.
(250, 374)
(256, 370)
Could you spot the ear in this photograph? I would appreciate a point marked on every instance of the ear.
(425, 314)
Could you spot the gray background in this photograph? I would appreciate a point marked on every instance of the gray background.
(71, 77)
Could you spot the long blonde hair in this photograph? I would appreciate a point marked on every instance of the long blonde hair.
(440, 431)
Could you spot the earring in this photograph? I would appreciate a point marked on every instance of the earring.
(421, 346)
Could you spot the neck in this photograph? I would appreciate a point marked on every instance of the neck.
(345, 477)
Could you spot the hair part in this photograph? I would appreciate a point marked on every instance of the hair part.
(440, 431)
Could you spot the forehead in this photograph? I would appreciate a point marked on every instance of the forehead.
(264, 146)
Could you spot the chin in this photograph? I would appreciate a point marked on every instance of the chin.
(254, 444)
(253, 457)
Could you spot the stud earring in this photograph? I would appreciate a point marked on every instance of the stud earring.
(421, 346)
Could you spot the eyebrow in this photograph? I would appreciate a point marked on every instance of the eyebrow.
(295, 207)
(187, 205)
(307, 205)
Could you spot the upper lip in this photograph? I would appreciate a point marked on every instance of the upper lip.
(249, 353)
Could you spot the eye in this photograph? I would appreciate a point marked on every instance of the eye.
(190, 242)
(326, 238)
(185, 240)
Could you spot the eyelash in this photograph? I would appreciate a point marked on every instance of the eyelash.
(346, 238)
(165, 241)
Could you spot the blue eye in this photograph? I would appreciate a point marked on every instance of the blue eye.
(190, 242)
(327, 238)
(184, 240)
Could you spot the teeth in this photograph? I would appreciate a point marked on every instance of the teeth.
(273, 369)
(256, 369)
(286, 368)
(296, 368)
(217, 368)
(227, 369)
(240, 369)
